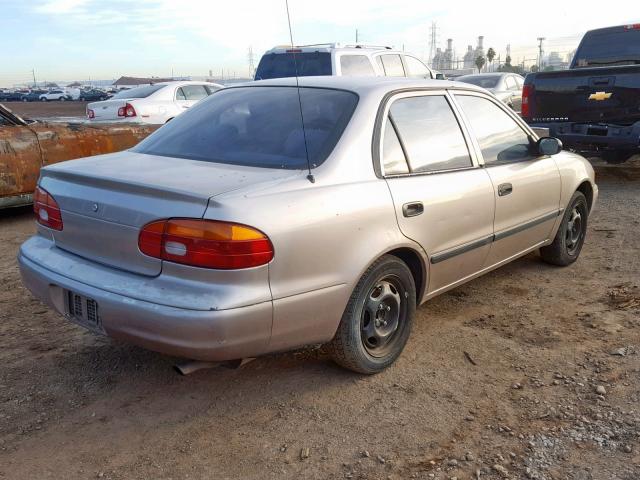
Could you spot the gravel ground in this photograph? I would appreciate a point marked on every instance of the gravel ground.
(531, 372)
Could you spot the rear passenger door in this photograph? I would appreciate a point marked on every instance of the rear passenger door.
(443, 199)
(356, 66)
(526, 185)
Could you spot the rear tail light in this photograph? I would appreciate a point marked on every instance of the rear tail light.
(633, 26)
(526, 109)
(46, 209)
(294, 50)
(127, 111)
(91, 113)
(205, 243)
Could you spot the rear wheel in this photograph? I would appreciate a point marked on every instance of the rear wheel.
(43, 99)
(62, 99)
(568, 242)
(377, 322)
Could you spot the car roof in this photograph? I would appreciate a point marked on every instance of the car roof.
(335, 47)
(362, 85)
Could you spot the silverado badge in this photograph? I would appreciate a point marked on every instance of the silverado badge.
(598, 96)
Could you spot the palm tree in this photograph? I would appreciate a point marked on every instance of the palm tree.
(491, 53)
(480, 61)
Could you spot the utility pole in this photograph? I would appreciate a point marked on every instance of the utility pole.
(33, 71)
(357, 38)
(540, 52)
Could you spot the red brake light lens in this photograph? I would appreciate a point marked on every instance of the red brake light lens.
(205, 243)
(129, 111)
(526, 110)
(46, 209)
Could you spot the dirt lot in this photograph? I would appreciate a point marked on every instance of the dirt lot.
(39, 110)
(522, 402)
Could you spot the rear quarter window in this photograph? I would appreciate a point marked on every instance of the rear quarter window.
(356, 66)
(282, 65)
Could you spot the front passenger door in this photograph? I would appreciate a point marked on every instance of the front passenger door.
(526, 185)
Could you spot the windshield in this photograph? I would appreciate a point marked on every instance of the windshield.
(138, 92)
(483, 81)
(280, 65)
(618, 47)
(257, 126)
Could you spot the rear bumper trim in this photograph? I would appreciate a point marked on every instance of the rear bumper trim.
(582, 136)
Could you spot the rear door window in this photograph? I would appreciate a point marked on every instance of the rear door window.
(392, 65)
(281, 65)
(510, 83)
(356, 66)
(430, 134)
(501, 139)
(257, 126)
(194, 92)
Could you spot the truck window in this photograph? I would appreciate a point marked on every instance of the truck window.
(356, 66)
(281, 65)
(616, 46)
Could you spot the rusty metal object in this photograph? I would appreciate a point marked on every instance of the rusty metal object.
(25, 148)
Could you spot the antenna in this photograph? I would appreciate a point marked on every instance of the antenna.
(310, 176)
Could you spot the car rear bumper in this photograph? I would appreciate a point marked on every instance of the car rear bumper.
(213, 335)
(589, 137)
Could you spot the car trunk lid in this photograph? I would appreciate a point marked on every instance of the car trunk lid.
(107, 109)
(106, 200)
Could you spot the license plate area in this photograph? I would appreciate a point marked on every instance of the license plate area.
(83, 311)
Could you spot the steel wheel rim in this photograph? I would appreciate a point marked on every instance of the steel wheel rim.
(573, 232)
(382, 318)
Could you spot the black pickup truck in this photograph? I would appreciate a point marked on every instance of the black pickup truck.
(594, 107)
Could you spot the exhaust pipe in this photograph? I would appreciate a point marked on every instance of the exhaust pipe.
(189, 366)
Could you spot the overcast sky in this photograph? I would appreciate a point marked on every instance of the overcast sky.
(103, 39)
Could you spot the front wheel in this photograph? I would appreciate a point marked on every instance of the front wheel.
(569, 239)
(377, 322)
(43, 99)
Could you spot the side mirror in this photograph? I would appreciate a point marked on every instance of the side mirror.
(440, 76)
(549, 146)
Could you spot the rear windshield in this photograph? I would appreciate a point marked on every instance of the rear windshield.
(257, 126)
(480, 80)
(609, 47)
(280, 65)
(138, 92)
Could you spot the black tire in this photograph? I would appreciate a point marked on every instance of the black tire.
(62, 99)
(43, 99)
(569, 239)
(25, 99)
(368, 342)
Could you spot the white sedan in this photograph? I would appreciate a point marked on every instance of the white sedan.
(156, 103)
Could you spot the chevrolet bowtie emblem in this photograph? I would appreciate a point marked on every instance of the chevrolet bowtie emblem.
(598, 96)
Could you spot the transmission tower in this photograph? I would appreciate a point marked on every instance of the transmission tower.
(433, 42)
(251, 58)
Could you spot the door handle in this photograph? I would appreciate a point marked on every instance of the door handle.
(504, 189)
(412, 209)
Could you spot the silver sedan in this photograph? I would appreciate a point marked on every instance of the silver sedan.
(269, 217)
(507, 87)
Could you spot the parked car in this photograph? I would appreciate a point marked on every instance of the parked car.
(57, 95)
(27, 145)
(93, 95)
(339, 60)
(592, 107)
(156, 103)
(9, 96)
(507, 87)
(237, 230)
(32, 96)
